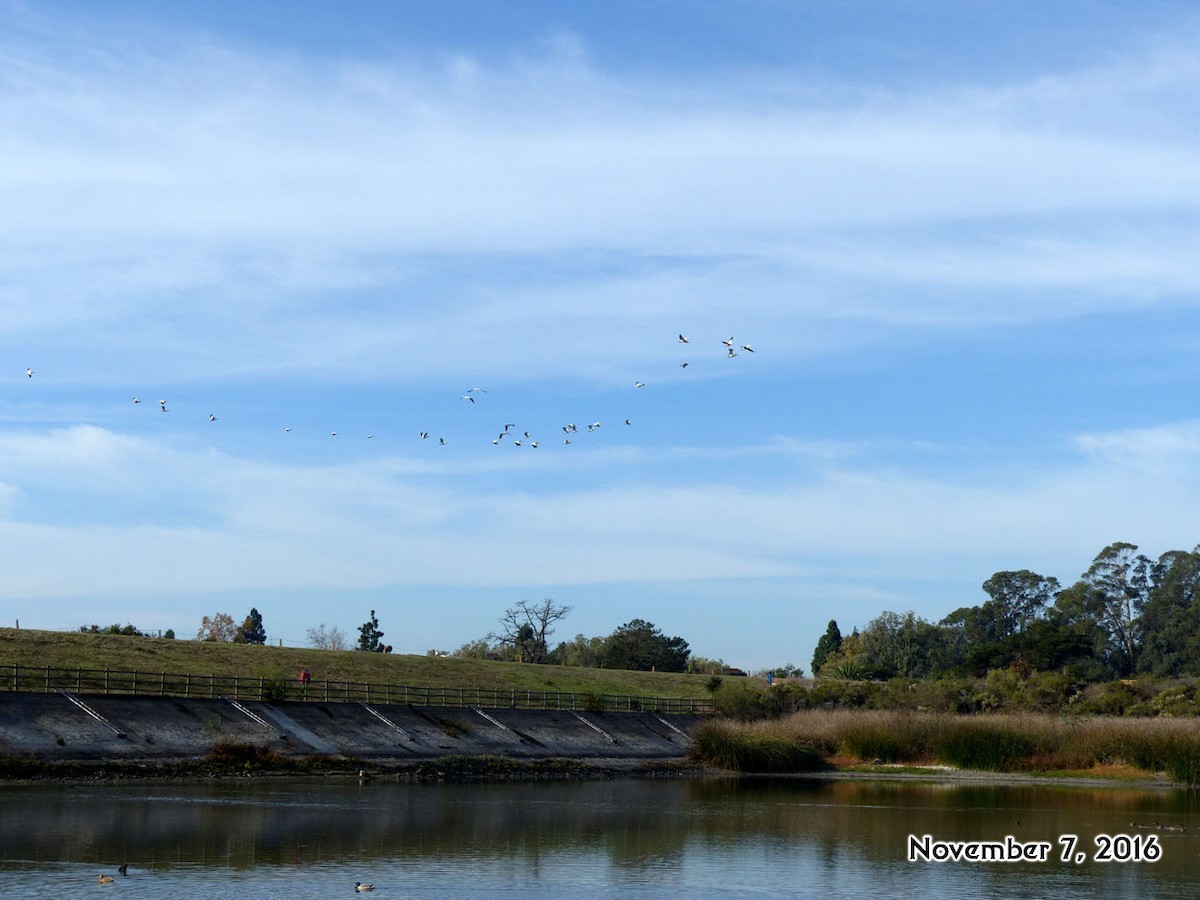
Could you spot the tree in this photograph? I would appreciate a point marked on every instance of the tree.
(251, 631)
(480, 648)
(219, 628)
(1122, 580)
(640, 646)
(827, 645)
(369, 636)
(527, 627)
(701, 665)
(1018, 598)
(1076, 610)
(580, 651)
(331, 639)
(900, 645)
(127, 630)
(1170, 621)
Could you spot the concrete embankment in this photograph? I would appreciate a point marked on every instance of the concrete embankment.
(56, 728)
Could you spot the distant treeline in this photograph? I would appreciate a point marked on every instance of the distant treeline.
(637, 645)
(1126, 615)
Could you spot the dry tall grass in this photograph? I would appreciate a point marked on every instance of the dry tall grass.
(1000, 742)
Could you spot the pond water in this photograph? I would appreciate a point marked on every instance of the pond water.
(768, 837)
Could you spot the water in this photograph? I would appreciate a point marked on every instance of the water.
(729, 837)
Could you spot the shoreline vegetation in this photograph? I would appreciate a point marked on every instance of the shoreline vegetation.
(1103, 747)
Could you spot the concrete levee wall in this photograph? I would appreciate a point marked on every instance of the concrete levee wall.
(53, 727)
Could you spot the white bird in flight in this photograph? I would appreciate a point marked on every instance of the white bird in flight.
(29, 372)
(638, 384)
(211, 417)
(683, 340)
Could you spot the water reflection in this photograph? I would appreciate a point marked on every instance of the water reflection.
(759, 836)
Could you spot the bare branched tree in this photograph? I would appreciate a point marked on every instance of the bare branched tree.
(527, 627)
(327, 639)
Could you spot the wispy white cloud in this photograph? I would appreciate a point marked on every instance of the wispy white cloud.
(174, 175)
(374, 524)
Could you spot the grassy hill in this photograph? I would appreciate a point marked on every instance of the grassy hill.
(68, 650)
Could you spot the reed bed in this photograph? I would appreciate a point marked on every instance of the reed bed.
(998, 743)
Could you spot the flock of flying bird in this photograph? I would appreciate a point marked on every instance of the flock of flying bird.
(517, 437)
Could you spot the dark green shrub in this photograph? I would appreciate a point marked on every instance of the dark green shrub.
(783, 699)
(738, 700)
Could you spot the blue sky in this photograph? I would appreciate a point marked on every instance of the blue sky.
(960, 239)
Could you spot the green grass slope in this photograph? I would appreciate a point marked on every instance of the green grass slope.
(69, 650)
